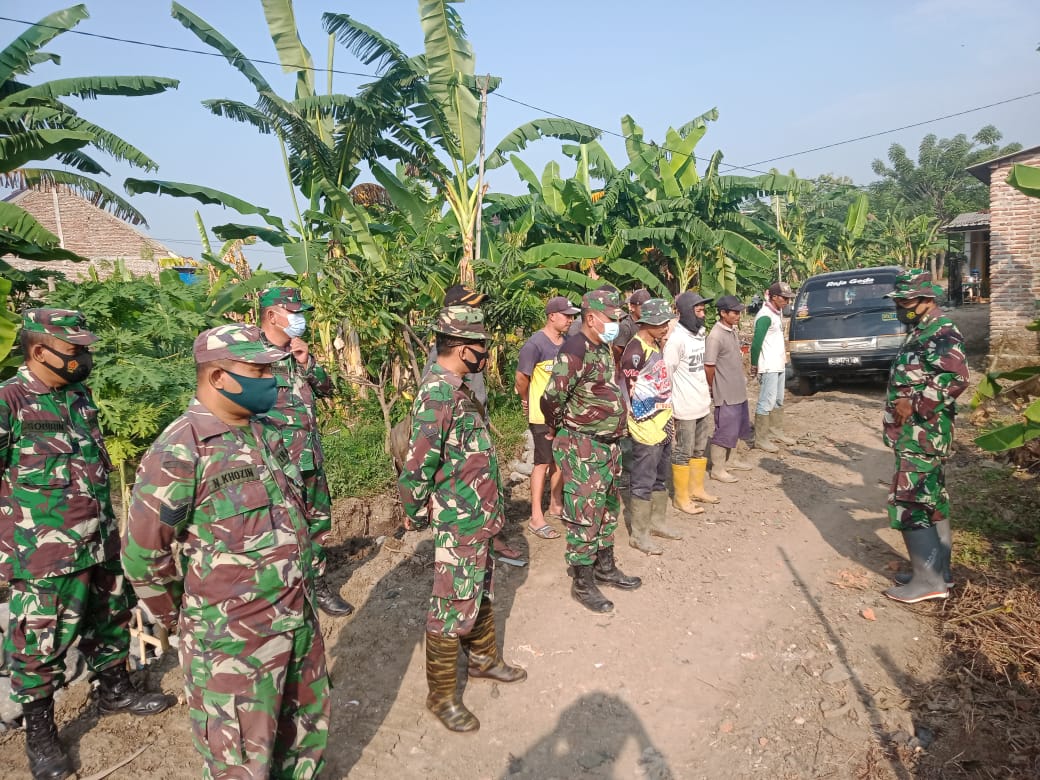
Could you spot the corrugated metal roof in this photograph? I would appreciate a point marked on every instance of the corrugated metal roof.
(973, 220)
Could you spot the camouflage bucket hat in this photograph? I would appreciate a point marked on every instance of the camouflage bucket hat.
(289, 297)
(655, 311)
(65, 324)
(234, 342)
(914, 284)
(464, 322)
(602, 300)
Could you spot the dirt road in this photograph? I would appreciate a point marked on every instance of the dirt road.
(746, 652)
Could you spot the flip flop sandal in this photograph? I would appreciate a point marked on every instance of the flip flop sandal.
(545, 532)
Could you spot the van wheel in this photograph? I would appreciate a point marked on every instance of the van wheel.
(804, 385)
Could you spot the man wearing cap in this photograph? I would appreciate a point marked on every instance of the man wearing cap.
(585, 411)
(629, 325)
(691, 403)
(532, 376)
(724, 370)
(769, 361)
(648, 393)
(59, 544)
(220, 484)
(451, 481)
(301, 380)
(927, 377)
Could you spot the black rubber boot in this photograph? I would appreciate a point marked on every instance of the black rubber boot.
(607, 572)
(585, 591)
(927, 558)
(442, 655)
(330, 603)
(117, 694)
(481, 648)
(946, 541)
(47, 758)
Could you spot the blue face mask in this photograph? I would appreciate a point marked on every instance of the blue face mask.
(258, 394)
(297, 325)
(610, 331)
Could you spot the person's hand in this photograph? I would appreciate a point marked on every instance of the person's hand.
(550, 434)
(904, 407)
(299, 349)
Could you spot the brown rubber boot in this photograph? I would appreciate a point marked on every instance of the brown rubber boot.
(698, 470)
(776, 427)
(480, 645)
(681, 498)
(718, 464)
(733, 461)
(639, 513)
(442, 655)
(659, 525)
(762, 434)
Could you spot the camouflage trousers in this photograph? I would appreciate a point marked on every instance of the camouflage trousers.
(463, 575)
(50, 613)
(259, 705)
(918, 496)
(320, 519)
(590, 471)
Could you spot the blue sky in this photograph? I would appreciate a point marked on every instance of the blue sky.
(784, 76)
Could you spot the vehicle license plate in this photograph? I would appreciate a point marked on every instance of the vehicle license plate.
(843, 361)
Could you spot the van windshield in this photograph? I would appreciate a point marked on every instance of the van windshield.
(844, 296)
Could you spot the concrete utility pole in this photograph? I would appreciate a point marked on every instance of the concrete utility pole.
(480, 167)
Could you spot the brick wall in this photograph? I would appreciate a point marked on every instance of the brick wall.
(1014, 267)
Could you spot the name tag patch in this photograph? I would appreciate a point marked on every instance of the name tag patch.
(43, 426)
(234, 477)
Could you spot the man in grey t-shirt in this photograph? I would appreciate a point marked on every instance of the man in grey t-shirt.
(724, 369)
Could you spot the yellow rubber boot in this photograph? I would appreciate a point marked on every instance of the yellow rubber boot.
(698, 469)
(681, 498)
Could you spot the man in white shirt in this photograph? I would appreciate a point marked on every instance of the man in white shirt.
(691, 404)
(769, 360)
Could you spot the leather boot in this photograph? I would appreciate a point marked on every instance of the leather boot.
(698, 470)
(733, 461)
(762, 434)
(442, 656)
(606, 571)
(718, 464)
(659, 517)
(639, 509)
(482, 650)
(776, 427)
(330, 602)
(47, 758)
(681, 498)
(927, 558)
(117, 694)
(586, 592)
(942, 527)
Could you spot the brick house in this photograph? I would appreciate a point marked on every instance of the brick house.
(90, 232)
(1014, 261)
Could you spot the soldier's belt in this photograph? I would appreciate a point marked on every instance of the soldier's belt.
(600, 437)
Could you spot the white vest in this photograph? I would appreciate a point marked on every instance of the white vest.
(773, 356)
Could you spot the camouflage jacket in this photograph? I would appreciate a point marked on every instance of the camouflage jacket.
(932, 372)
(583, 393)
(55, 510)
(233, 499)
(294, 413)
(450, 477)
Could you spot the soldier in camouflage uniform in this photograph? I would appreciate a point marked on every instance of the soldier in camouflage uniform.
(219, 483)
(585, 410)
(59, 545)
(300, 381)
(928, 375)
(451, 480)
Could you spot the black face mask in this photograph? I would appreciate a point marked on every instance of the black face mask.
(690, 321)
(73, 368)
(907, 316)
(477, 365)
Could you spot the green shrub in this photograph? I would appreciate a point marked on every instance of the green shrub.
(355, 463)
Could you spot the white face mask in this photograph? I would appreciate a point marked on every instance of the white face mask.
(297, 325)
(610, 331)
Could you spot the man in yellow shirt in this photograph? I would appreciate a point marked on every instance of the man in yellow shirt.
(648, 394)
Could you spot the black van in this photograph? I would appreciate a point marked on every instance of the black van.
(843, 325)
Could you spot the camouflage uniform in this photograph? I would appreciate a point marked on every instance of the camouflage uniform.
(584, 405)
(451, 481)
(932, 372)
(242, 597)
(59, 545)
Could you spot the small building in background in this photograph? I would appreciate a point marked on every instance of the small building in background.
(1014, 261)
(968, 271)
(90, 232)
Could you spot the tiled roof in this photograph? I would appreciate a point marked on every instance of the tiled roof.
(973, 220)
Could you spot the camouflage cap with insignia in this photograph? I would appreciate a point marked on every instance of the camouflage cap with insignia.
(602, 300)
(464, 322)
(234, 342)
(65, 324)
(914, 283)
(655, 311)
(289, 297)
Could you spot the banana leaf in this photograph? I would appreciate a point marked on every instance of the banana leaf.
(20, 55)
(566, 129)
(20, 148)
(1025, 179)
